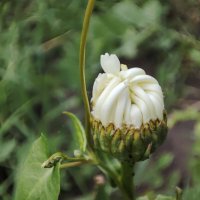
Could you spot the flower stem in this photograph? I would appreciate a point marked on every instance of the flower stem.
(127, 186)
(85, 27)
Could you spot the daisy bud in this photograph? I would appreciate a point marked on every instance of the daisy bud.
(128, 117)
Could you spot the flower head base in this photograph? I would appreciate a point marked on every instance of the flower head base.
(128, 116)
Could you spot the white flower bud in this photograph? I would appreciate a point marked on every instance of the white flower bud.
(125, 97)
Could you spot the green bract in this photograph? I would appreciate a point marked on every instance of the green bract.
(129, 144)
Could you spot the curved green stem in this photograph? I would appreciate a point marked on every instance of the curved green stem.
(85, 27)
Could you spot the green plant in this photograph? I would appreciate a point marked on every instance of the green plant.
(153, 129)
(39, 79)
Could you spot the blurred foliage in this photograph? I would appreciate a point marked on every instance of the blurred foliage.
(39, 77)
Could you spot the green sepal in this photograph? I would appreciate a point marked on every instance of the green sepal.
(104, 140)
(121, 148)
(95, 135)
(147, 152)
(138, 147)
(128, 143)
(128, 140)
(115, 141)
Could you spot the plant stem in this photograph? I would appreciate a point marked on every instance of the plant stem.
(75, 164)
(85, 27)
(127, 185)
(123, 180)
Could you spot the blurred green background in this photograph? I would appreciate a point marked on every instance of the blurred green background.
(39, 79)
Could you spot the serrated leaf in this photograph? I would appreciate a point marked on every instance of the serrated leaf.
(34, 182)
(79, 131)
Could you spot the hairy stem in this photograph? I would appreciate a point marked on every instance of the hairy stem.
(85, 27)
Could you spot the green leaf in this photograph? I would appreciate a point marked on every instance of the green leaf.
(165, 160)
(34, 182)
(79, 131)
(6, 149)
(143, 198)
(195, 56)
(162, 197)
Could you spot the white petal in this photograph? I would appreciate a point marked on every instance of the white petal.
(158, 106)
(97, 105)
(110, 63)
(158, 96)
(99, 85)
(127, 116)
(131, 73)
(136, 116)
(120, 108)
(146, 114)
(107, 104)
(139, 92)
(152, 87)
(143, 78)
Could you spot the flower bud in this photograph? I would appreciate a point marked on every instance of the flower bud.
(128, 118)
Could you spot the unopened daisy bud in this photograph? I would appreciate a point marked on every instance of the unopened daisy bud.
(128, 117)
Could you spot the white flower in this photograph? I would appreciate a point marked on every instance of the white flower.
(125, 97)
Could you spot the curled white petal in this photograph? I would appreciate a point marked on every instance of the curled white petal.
(159, 98)
(146, 114)
(127, 97)
(152, 88)
(127, 116)
(144, 78)
(109, 102)
(120, 108)
(99, 85)
(132, 73)
(139, 92)
(101, 98)
(136, 116)
(110, 63)
(157, 106)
